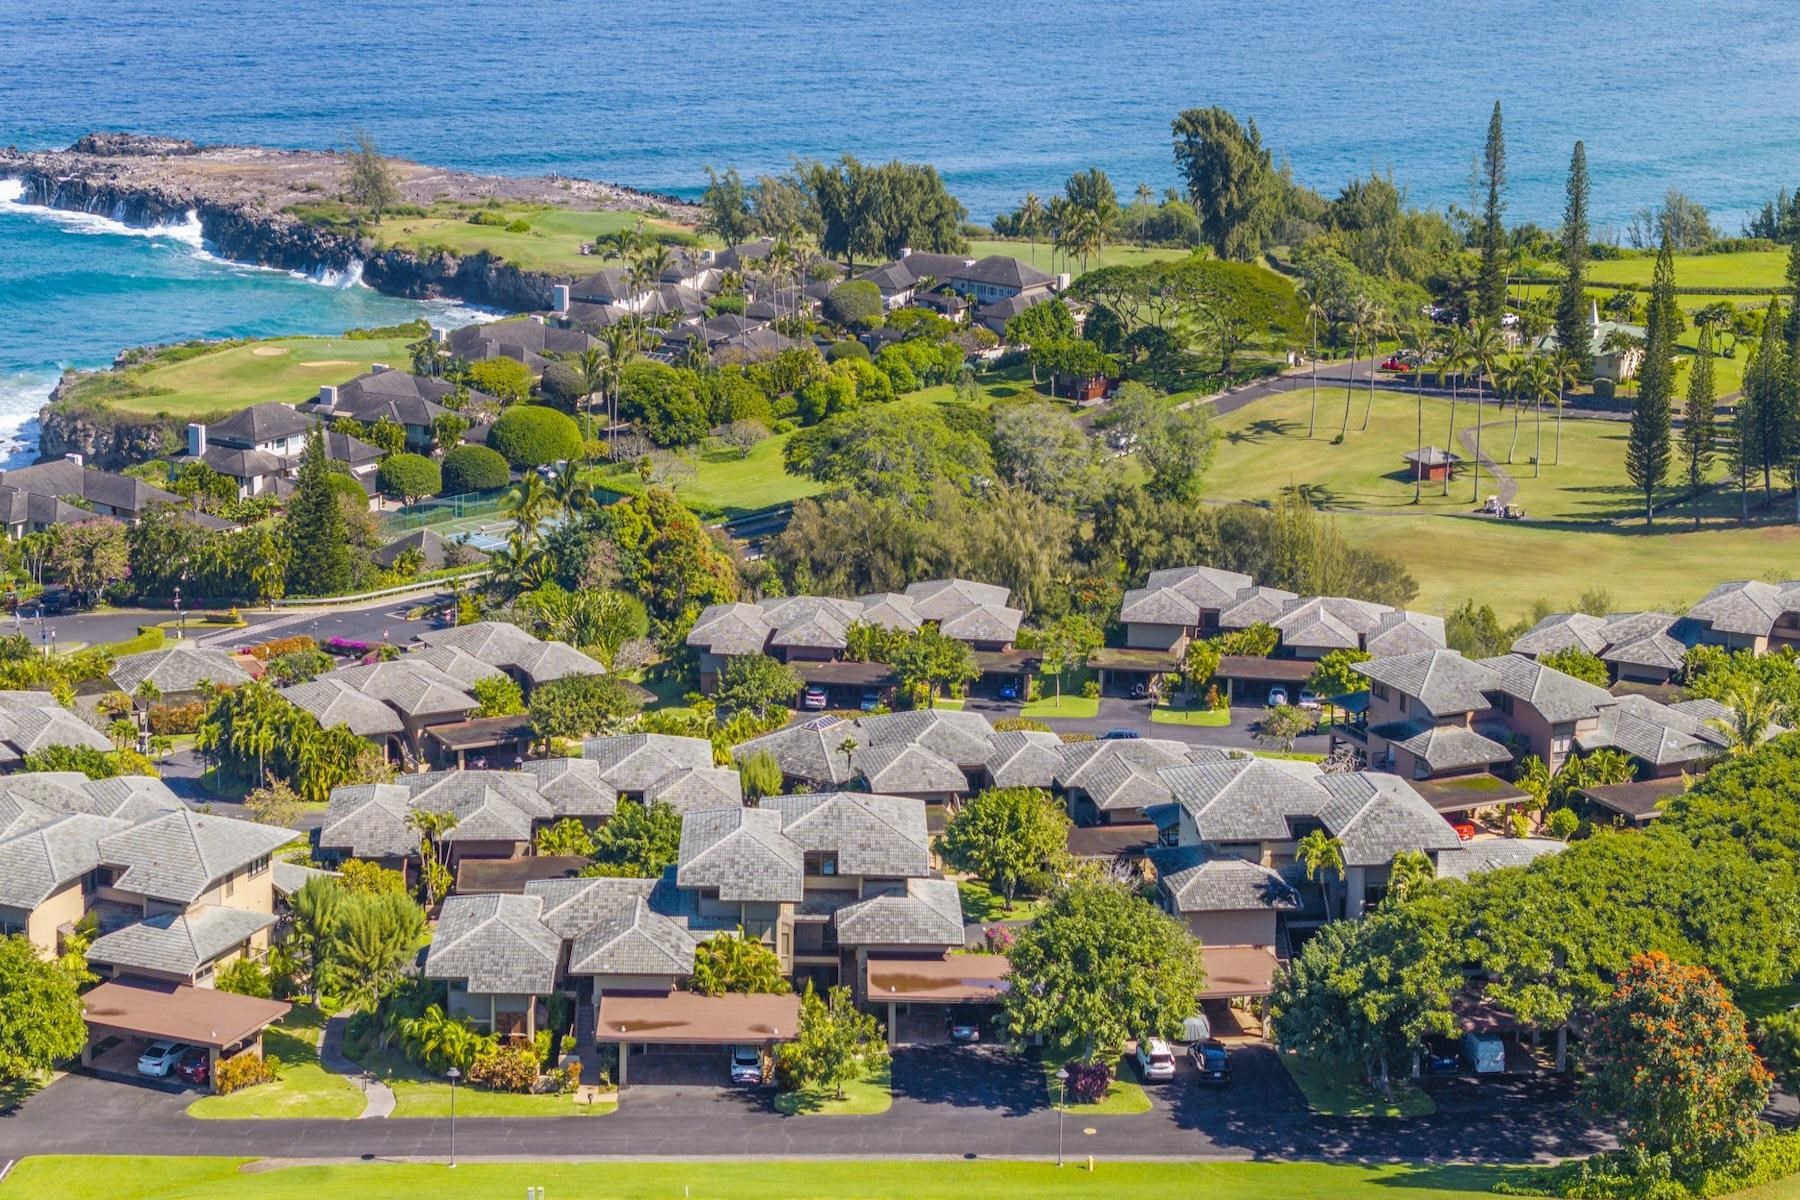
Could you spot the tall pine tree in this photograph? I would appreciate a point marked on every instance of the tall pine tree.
(1699, 428)
(1793, 283)
(318, 542)
(1762, 413)
(1647, 450)
(1490, 287)
(1573, 324)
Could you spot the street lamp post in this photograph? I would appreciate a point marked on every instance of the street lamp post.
(1062, 1109)
(180, 627)
(455, 1075)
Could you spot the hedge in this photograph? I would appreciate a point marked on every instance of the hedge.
(276, 647)
(855, 303)
(409, 476)
(530, 435)
(474, 469)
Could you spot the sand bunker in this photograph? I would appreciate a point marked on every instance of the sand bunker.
(269, 351)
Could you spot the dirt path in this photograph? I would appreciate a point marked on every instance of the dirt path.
(1505, 486)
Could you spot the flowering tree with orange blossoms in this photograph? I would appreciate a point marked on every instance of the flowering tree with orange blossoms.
(1670, 1055)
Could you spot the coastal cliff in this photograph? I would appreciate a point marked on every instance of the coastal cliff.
(242, 197)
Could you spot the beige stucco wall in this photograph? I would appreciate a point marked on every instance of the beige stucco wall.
(1141, 635)
(1233, 928)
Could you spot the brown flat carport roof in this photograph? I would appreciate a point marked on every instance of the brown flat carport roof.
(1265, 670)
(687, 1018)
(180, 1013)
(1237, 971)
(481, 733)
(1638, 802)
(958, 979)
(845, 673)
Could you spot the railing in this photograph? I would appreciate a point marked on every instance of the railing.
(437, 584)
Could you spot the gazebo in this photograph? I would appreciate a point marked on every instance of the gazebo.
(1431, 465)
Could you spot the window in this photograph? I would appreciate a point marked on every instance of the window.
(1378, 690)
(1402, 702)
(1504, 703)
(231, 883)
(1561, 743)
(257, 867)
(821, 862)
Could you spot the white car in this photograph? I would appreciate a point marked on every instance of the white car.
(159, 1058)
(746, 1066)
(1277, 697)
(1155, 1060)
(1309, 698)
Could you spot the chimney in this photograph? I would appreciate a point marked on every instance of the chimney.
(377, 368)
(1063, 281)
(906, 252)
(75, 458)
(439, 335)
(327, 398)
(196, 440)
(560, 299)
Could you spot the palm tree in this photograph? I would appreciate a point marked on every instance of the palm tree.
(847, 747)
(1031, 219)
(1485, 348)
(530, 504)
(591, 365)
(1319, 852)
(427, 355)
(1418, 335)
(1509, 382)
(432, 828)
(1543, 384)
(1753, 711)
(1359, 309)
(1565, 369)
(1315, 312)
(1057, 218)
(1375, 321)
(1453, 359)
(570, 493)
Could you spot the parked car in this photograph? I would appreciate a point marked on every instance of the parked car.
(194, 1066)
(1211, 1060)
(1396, 363)
(1139, 691)
(871, 699)
(159, 1058)
(1439, 1056)
(1277, 697)
(963, 1024)
(813, 699)
(1120, 735)
(1309, 698)
(1155, 1061)
(746, 1066)
(1009, 690)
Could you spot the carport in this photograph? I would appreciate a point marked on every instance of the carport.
(929, 987)
(1249, 680)
(681, 1021)
(223, 1023)
(1238, 972)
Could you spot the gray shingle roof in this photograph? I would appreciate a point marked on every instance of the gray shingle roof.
(336, 703)
(1328, 622)
(1375, 816)
(574, 787)
(1746, 606)
(1404, 632)
(929, 913)
(1205, 587)
(637, 762)
(730, 629)
(1196, 880)
(496, 944)
(177, 855)
(871, 834)
(29, 729)
(1644, 640)
(178, 944)
(37, 862)
(1491, 854)
(1557, 697)
(1444, 747)
(1024, 758)
(1443, 681)
(410, 686)
(742, 853)
(910, 768)
(693, 789)
(572, 906)
(1658, 734)
(183, 667)
(633, 939)
(369, 821)
(1158, 606)
(1246, 800)
(1562, 631)
(808, 751)
(1254, 605)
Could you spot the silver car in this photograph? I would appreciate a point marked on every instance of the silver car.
(159, 1058)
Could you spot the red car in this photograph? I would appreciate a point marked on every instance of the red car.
(1396, 363)
(194, 1067)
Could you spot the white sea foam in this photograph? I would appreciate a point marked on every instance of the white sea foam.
(21, 395)
(185, 231)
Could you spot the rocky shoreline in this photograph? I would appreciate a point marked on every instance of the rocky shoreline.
(239, 194)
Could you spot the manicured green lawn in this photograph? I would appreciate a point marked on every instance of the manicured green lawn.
(1762, 1002)
(214, 384)
(553, 243)
(1336, 1090)
(1747, 269)
(724, 484)
(1125, 1096)
(1206, 718)
(102, 1178)
(1071, 705)
(982, 905)
(305, 1088)
(418, 1095)
(1041, 255)
(862, 1098)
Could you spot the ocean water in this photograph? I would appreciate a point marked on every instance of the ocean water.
(1004, 98)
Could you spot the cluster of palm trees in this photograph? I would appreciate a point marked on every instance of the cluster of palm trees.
(521, 564)
(1478, 352)
(1076, 231)
(602, 366)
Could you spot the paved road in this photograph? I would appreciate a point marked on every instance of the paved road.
(371, 623)
(947, 1101)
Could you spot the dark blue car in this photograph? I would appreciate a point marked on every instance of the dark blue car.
(1212, 1061)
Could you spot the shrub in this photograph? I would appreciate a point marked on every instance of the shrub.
(168, 719)
(666, 400)
(299, 666)
(562, 383)
(474, 469)
(486, 217)
(727, 303)
(506, 1069)
(846, 349)
(275, 648)
(506, 379)
(519, 226)
(1604, 390)
(244, 1070)
(1009, 724)
(409, 477)
(854, 304)
(530, 435)
(1091, 689)
(245, 977)
(499, 696)
(1088, 1081)
(356, 875)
